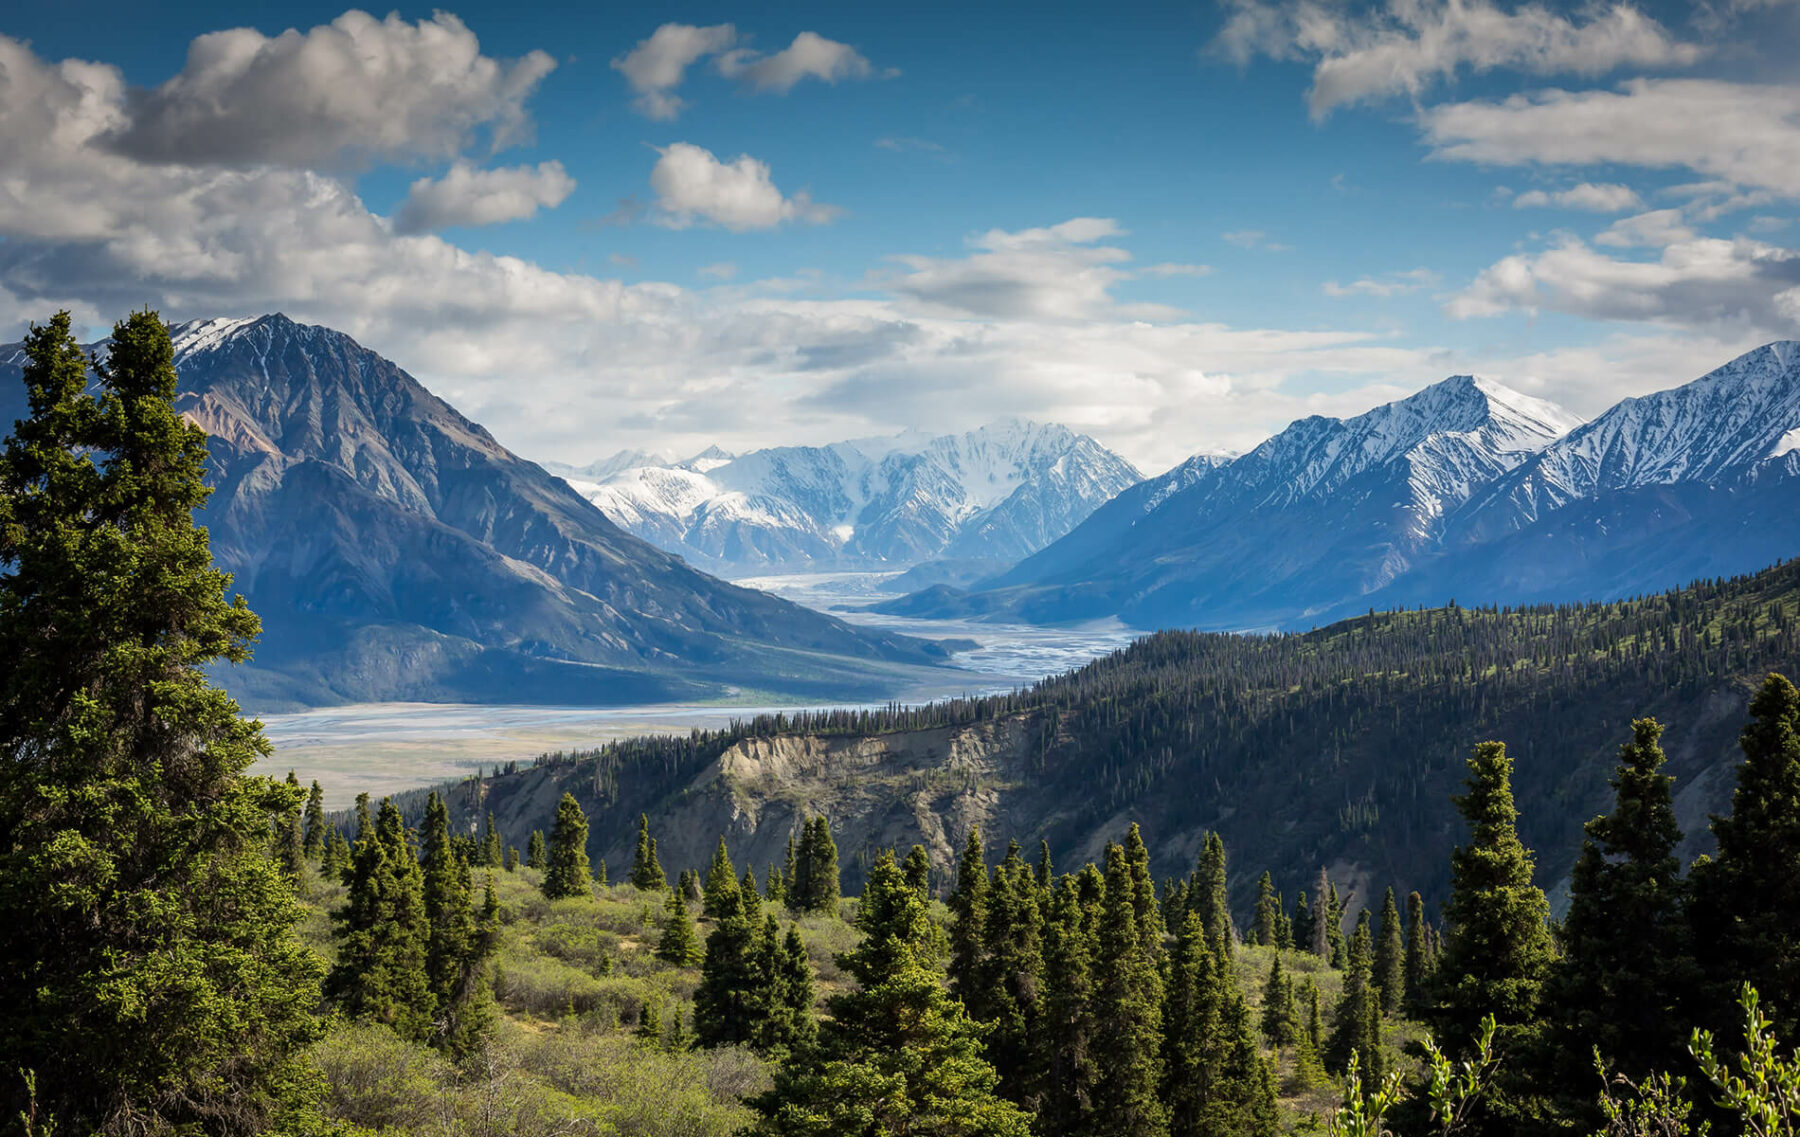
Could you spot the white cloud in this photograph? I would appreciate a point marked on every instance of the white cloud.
(1744, 134)
(1607, 197)
(722, 270)
(656, 66)
(1371, 51)
(1393, 284)
(692, 186)
(1170, 268)
(1254, 239)
(349, 91)
(810, 56)
(470, 196)
(1657, 229)
(1696, 282)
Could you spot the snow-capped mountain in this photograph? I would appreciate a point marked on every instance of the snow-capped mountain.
(1466, 490)
(993, 494)
(395, 550)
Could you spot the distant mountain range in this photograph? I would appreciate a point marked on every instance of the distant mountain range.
(1466, 490)
(987, 497)
(396, 551)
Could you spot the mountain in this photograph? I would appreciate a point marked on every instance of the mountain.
(396, 551)
(1341, 746)
(989, 496)
(1326, 510)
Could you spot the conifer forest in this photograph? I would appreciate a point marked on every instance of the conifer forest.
(1533, 944)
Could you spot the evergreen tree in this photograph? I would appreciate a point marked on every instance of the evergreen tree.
(1070, 1063)
(1304, 927)
(1281, 1024)
(1747, 899)
(1356, 1028)
(566, 871)
(1626, 953)
(723, 895)
(1046, 872)
(774, 888)
(649, 1025)
(491, 850)
(315, 823)
(458, 946)
(818, 888)
(732, 1000)
(1334, 930)
(791, 888)
(1241, 1101)
(1191, 1027)
(898, 1055)
(646, 872)
(1268, 914)
(1418, 951)
(1011, 979)
(750, 898)
(1128, 997)
(1209, 897)
(918, 871)
(336, 861)
(785, 980)
(148, 969)
(535, 856)
(678, 944)
(512, 858)
(382, 970)
(968, 929)
(1390, 957)
(290, 843)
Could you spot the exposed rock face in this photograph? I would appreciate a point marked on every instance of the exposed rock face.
(395, 550)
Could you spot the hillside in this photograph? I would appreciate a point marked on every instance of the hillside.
(1465, 490)
(1340, 746)
(396, 551)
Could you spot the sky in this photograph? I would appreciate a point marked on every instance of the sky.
(1173, 227)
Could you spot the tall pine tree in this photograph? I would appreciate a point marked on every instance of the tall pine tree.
(566, 870)
(646, 871)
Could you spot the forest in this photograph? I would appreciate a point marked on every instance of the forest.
(189, 949)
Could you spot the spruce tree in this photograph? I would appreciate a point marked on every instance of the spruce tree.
(784, 977)
(819, 886)
(732, 1000)
(1281, 1024)
(1626, 954)
(1012, 977)
(382, 971)
(1747, 899)
(678, 945)
(968, 928)
(1192, 1027)
(1390, 957)
(774, 889)
(1143, 891)
(1304, 927)
(1418, 951)
(315, 823)
(723, 895)
(1128, 996)
(566, 871)
(1070, 1062)
(1268, 914)
(535, 856)
(646, 872)
(1209, 897)
(512, 858)
(1241, 1098)
(336, 861)
(491, 850)
(1046, 872)
(1334, 929)
(751, 899)
(458, 945)
(149, 973)
(1356, 1028)
(290, 842)
(918, 871)
(898, 1055)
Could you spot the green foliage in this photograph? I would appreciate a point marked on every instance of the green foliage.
(383, 935)
(1356, 1027)
(918, 871)
(566, 871)
(815, 885)
(1389, 974)
(1263, 927)
(646, 870)
(459, 942)
(898, 1055)
(723, 896)
(535, 855)
(678, 944)
(1281, 1024)
(1764, 1091)
(1747, 899)
(315, 823)
(1128, 996)
(149, 973)
(968, 927)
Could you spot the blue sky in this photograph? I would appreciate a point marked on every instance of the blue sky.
(1174, 227)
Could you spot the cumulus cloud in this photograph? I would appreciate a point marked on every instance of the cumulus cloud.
(693, 186)
(470, 196)
(1608, 197)
(1696, 282)
(1363, 52)
(1657, 229)
(1741, 133)
(352, 90)
(810, 56)
(721, 270)
(1393, 284)
(1054, 273)
(656, 66)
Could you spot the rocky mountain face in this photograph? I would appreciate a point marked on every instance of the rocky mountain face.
(991, 495)
(1466, 490)
(395, 550)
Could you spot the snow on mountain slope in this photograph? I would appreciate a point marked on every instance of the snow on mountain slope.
(1714, 430)
(998, 493)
